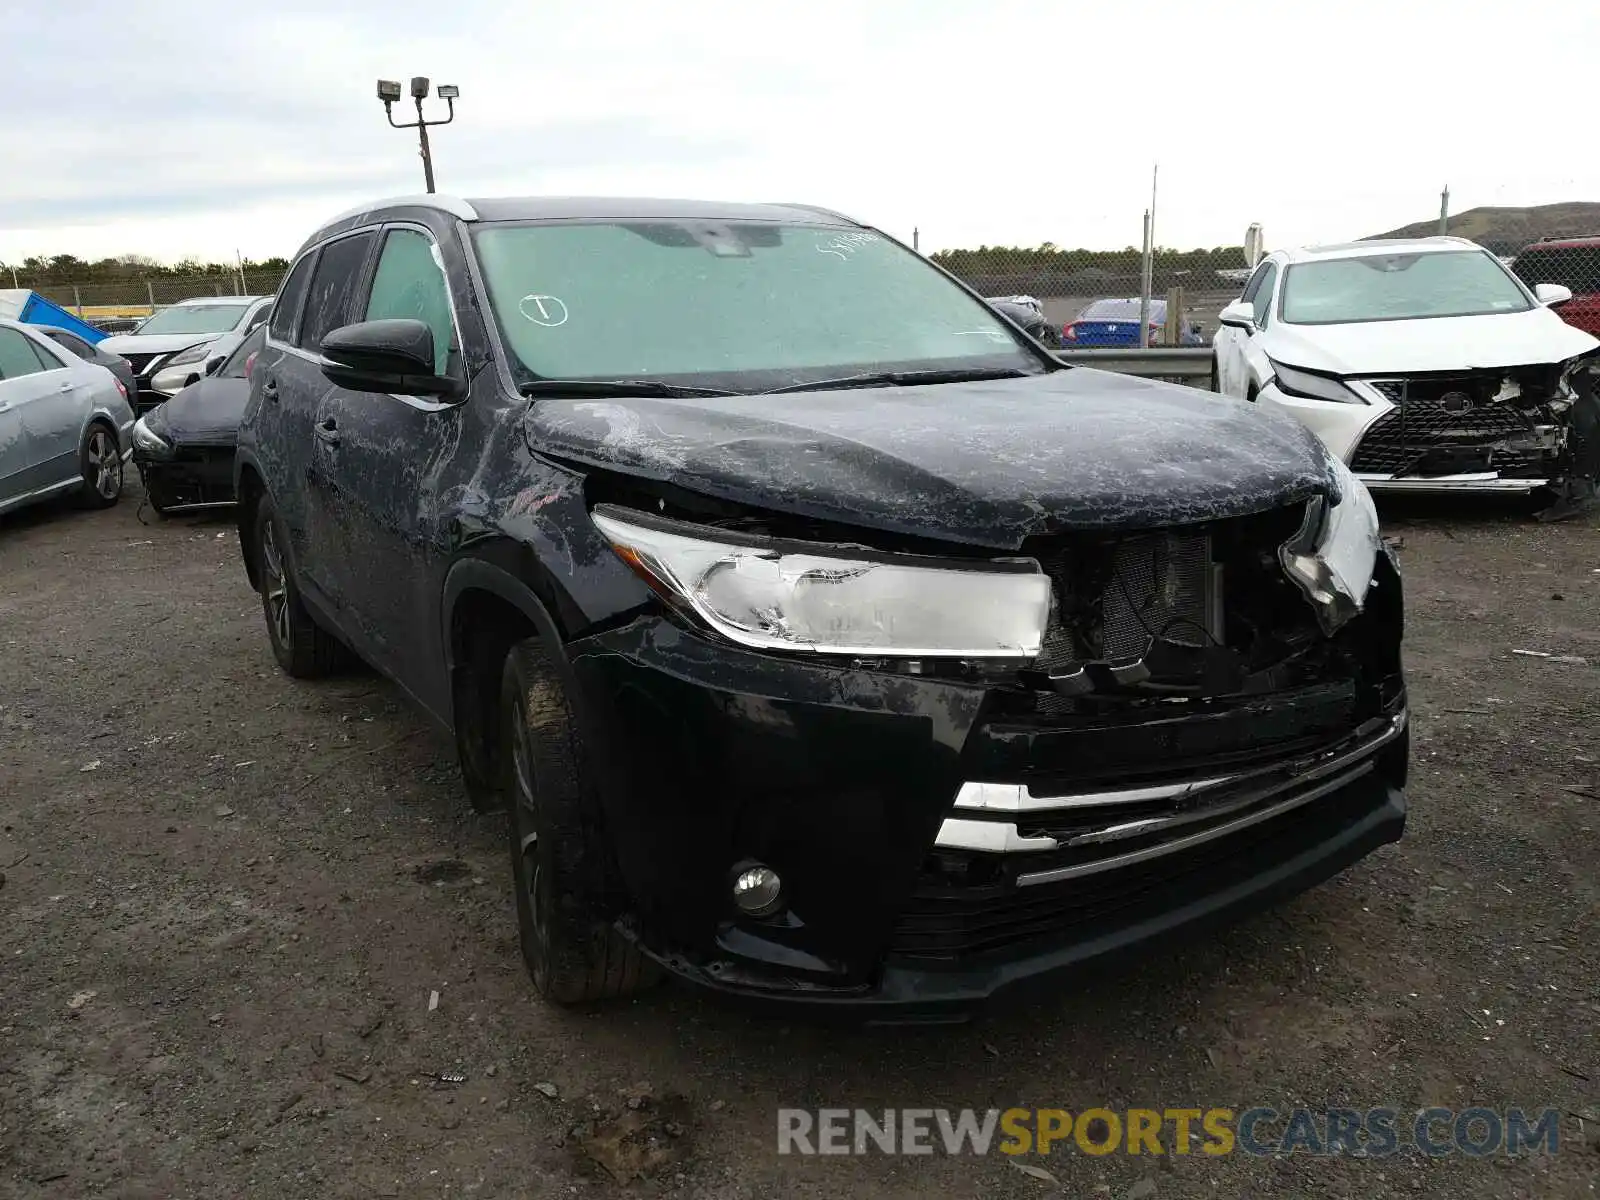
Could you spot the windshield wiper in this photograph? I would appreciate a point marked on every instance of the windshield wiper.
(617, 387)
(902, 379)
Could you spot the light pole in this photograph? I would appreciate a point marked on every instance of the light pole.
(389, 92)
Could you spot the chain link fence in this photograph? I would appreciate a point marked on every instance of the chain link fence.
(1097, 296)
(138, 296)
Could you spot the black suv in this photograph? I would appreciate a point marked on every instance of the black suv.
(827, 639)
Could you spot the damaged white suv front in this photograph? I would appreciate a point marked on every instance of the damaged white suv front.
(1426, 365)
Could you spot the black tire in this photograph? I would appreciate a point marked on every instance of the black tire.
(100, 461)
(153, 492)
(559, 861)
(302, 647)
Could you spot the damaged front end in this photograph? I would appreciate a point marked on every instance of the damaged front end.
(1125, 736)
(1514, 429)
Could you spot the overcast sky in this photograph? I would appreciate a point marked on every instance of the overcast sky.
(177, 128)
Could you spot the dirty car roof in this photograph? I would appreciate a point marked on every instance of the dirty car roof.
(568, 208)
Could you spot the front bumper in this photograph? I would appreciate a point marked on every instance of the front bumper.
(1478, 481)
(906, 899)
(195, 475)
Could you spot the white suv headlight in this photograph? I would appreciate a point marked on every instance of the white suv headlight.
(1333, 557)
(191, 354)
(835, 599)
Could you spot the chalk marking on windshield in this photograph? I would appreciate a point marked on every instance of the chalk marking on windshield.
(549, 311)
(843, 245)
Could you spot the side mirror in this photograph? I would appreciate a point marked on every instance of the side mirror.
(213, 365)
(393, 356)
(1241, 314)
(1552, 294)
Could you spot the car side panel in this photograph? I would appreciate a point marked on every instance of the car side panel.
(50, 408)
(281, 434)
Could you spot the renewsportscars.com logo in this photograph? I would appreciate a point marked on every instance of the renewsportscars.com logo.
(1261, 1131)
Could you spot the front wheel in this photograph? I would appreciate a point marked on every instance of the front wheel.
(100, 460)
(302, 647)
(558, 854)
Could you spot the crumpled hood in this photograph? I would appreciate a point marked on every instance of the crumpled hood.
(990, 463)
(156, 343)
(1438, 344)
(207, 411)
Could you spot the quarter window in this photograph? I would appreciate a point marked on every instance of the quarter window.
(75, 344)
(409, 283)
(333, 286)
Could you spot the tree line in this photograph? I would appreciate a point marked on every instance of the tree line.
(41, 271)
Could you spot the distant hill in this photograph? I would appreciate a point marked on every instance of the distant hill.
(1507, 230)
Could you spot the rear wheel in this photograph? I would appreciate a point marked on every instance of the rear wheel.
(558, 854)
(100, 460)
(302, 647)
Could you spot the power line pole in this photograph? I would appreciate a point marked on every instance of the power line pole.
(389, 92)
(1444, 211)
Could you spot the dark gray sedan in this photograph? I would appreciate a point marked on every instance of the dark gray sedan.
(115, 363)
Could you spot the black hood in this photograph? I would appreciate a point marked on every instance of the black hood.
(207, 411)
(990, 463)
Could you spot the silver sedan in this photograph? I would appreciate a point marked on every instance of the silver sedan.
(65, 424)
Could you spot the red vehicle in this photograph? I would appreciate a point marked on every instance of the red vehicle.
(1573, 262)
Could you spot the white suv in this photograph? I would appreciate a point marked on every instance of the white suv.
(1425, 364)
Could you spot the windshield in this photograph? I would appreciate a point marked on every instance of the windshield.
(195, 318)
(1397, 287)
(738, 304)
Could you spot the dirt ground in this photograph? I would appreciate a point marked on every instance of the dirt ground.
(228, 898)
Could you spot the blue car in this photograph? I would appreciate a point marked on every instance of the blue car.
(1116, 323)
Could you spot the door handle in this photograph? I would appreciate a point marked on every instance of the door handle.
(270, 390)
(66, 387)
(328, 431)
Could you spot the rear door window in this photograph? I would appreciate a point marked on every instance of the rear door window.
(50, 359)
(286, 308)
(17, 356)
(333, 286)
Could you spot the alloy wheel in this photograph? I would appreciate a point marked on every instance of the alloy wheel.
(274, 587)
(106, 462)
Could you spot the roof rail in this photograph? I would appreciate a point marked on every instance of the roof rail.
(1568, 237)
(453, 205)
(816, 208)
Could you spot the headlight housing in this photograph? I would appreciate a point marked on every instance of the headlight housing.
(775, 595)
(1308, 385)
(1333, 556)
(194, 354)
(150, 440)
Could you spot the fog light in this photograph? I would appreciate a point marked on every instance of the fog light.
(757, 891)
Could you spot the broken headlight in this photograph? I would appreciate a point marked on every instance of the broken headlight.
(1332, 558)
(148, 433)
(777, 595)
